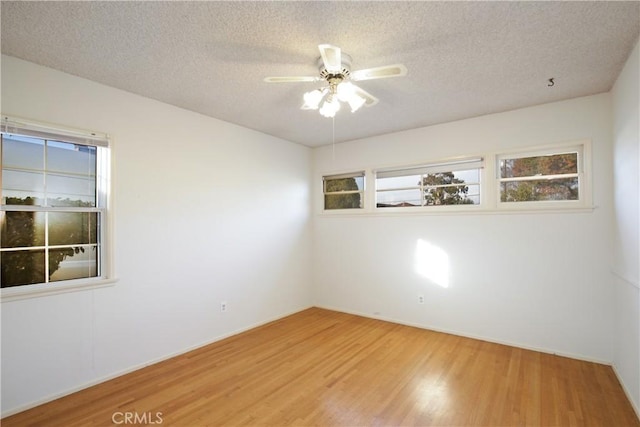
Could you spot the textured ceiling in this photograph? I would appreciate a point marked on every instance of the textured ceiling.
(465, 59)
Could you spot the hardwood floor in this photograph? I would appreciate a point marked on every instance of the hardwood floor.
(325, 368)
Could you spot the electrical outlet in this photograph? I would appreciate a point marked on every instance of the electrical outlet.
(420, 299)
(223, 306)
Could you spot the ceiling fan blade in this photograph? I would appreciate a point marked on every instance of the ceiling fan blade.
(396, 70)
(332, 57)
(290, 79)
(369, 100)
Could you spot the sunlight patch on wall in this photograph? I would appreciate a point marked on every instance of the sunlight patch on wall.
(432, 263)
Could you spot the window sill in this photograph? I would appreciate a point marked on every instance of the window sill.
(47, 289)
(381, 212)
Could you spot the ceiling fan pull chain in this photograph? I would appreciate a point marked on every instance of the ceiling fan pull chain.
(333, 141)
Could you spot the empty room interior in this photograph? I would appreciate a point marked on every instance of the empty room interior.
(320, 213)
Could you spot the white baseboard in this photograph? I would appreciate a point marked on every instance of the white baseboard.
(634, 404)
(238, 331)
(473, 336)
(128, 370)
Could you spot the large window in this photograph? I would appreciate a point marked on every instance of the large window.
(438, 184)
(343, 191)
(547, 176)
(54, 205)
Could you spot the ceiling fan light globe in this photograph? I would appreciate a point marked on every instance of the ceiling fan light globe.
(355, 102)
(327, 112)
(335, 104)
(312, 99)
(330, 107)
(345, 91)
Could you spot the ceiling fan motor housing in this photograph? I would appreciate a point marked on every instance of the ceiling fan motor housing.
(332, 77)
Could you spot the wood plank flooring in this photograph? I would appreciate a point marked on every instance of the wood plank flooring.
(319, 367)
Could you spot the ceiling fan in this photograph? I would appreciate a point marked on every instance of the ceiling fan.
(335, 69)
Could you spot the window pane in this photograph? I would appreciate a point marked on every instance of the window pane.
(540, 190)
(447, 188)
(22, 170)
(73, 263)
(355, 183)
(22, 229)
(68, 190)
(342, 201)
(398, 182)
(71, 177)
(452, 195)
(22, 187)
(21, 152)
(73, 228)
(71, 158)
(540, 165)
(22, 268)
(470, 176)
(438, 188)
(473, 195)
(399, 198)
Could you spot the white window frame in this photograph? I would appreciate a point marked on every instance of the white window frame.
(583, 150)
(359, 174)
(18, 126)
(489, 185)
(449, 165)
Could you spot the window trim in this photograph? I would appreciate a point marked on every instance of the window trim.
(363, 192)
(585, 193)
(489, 187)
(104, 199)
(450, 165)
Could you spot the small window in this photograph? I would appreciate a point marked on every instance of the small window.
(550, 176)
(54, 206)
(441, 184)
(343, 191)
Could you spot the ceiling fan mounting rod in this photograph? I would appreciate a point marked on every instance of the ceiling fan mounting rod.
(335, 79)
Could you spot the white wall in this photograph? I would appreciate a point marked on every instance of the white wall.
(537, 280)
(205, 211)
(625, 266)
(241, 233)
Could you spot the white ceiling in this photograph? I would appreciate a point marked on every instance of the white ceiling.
(465, 59)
